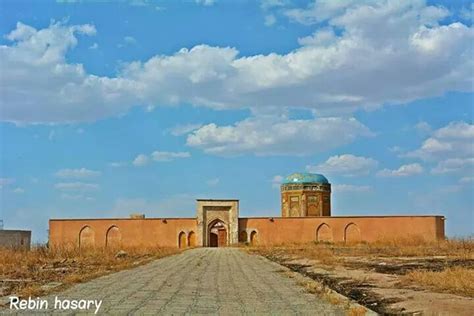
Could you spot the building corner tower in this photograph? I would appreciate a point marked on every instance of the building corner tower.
(305, 194)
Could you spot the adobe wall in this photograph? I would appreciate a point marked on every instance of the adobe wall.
(126, 231)
(15, 239)
(277, 230)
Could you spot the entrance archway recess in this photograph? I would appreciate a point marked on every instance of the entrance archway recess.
(217, 234)
(254, 238)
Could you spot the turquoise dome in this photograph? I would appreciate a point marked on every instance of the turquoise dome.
(305, 177)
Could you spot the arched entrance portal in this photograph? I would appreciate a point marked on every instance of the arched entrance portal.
(217, 234)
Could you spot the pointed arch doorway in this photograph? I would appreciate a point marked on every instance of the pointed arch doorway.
(217, 234)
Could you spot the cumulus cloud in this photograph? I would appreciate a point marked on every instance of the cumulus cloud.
(454, 165)
(347, 165)
(451, 147)
(403, 171)
(350, 188)
(77, 173)
(366, 63)
(452, 141)
(277, 136)
(179, 130)
(76, 186)
(141, 160)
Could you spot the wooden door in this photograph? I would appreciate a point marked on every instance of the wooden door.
(213, 240)
(222, 240)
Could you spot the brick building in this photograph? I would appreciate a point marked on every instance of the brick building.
(306, 216)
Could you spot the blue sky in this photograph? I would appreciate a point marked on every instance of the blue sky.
(143, 106)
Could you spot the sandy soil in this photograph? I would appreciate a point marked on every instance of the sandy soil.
(375, 283)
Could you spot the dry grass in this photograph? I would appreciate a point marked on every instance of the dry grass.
(356, 311)
(455, 280)
(25, 272)
(454, 257)
(330, 253)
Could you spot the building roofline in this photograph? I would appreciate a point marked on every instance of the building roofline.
(218, 200)
(121, 219)
(15, 230)
(256, 217)
(326, 217)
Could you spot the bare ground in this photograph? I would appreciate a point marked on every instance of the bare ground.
(380, 283)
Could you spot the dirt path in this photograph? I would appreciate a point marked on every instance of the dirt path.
(222, 281)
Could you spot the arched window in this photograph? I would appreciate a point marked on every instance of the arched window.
(191, 239)
(182, 240)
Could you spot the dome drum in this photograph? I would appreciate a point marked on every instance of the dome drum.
(305, 194)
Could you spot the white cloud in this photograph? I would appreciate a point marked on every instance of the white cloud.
(77, 173)
(66, 196)
(19, 190)
(276, 181)
(455, 140)
(161, 156)
(454, 165)
(205, 2)
(466, 180)
(364, 14)
(169, 156)
(423, 127)
(94, 46)
(395, 149)
(6, 181)
(277, 136)
(141, 160)
(347, 165)
(350, 188)
(270, 4)
(417, 56)
(76, 186)
(323, 37)
(468, 13)
(403, 171)
(184, 129)
(270, 20)
(213, 182)
(129, 40)
(451, 146)
(117, 164)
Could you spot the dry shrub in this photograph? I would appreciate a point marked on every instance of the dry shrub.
(356, 311)
(24, 272)
(455, 280)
